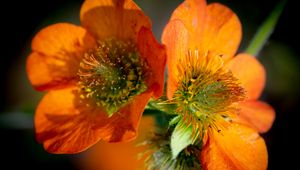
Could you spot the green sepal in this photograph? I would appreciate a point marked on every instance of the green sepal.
(182, 137)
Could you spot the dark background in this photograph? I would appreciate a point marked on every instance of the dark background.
(21, 20)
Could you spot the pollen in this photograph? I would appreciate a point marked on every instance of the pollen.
(112, 74)
(207, 91)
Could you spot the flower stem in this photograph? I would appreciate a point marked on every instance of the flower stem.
(265, 30)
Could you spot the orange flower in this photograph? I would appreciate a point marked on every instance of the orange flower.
(209, 85)
(98, 77)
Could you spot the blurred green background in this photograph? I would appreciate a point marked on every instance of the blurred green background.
(21, 20)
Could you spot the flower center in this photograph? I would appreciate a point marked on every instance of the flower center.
(206, 90)
(112, 74)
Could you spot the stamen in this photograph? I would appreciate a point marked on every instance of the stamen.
(206, 92)
(112, 74)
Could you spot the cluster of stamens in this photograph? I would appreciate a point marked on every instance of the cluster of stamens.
(112, 74)
(206, 92)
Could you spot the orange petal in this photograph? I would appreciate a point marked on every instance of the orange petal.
(57, 51)
(236, 148)
(62, 40)
(192, 14)
(121, 19)
(214, 28)
(105, 155)
(155, 55)
(250, 72)
(48, 72)
(65, 123)
(222, 31)
(126, 122)
(175, 37)
(259, 115)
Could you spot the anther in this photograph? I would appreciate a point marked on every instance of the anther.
(112, 74)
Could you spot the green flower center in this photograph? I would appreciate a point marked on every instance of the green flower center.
(112, 74)
(206, 90)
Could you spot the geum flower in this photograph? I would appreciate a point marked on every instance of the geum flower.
(215, 92)
(98, 76)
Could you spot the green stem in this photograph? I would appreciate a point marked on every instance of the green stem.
(265, 30)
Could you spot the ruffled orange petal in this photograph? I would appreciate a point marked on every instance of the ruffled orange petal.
(66, 124)
(155, 55)
(121, 19)
(126, 122)
(259, 115)
(213, 28)
(222, 31)
(175, 37)
(62, 39)
(250, 72)
(44, 76)
(57, 51)
(192, 14)
(105, 155)
(236, 148)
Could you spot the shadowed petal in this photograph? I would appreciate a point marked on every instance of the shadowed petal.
(121, 19)
(129, 116)
(236, 148)
(65, 123)
(155, 55)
